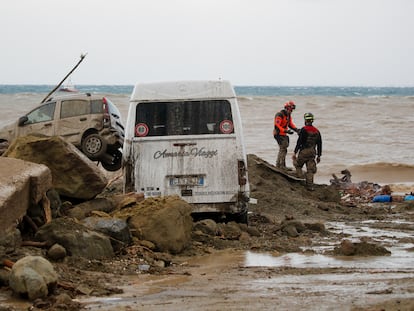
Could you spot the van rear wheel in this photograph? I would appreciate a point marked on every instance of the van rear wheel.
(93, 146)
(241, 218)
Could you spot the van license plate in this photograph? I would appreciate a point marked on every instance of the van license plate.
(187, 193)
(187, 181)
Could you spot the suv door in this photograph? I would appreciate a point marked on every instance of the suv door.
(75, 118)
(40, 120)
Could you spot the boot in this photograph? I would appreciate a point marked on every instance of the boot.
(278, 161)
(309, 181)
(283, 164)
(299, 172)
(281, 158)
(310, 187)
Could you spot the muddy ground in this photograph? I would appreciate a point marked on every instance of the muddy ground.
(288, 224)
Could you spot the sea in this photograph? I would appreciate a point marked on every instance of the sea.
(367, 130)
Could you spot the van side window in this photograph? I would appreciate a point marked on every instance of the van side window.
(43, 113)
(73, 108)
(184, 118)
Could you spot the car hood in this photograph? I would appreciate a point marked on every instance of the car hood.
(7, 131)
(116, 119)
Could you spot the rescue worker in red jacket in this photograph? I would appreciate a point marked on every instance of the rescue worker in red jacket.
(308, 146)
(283, 125)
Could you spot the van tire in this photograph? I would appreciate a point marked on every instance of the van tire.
(242, 218)
(93, 146)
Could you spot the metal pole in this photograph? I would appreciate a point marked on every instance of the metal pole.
(63, 80)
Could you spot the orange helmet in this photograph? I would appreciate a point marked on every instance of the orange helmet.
(290, 105)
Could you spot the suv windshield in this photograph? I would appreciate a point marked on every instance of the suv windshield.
(183, 118)
(42, 113)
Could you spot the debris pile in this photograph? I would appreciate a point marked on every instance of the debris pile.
(353, 194)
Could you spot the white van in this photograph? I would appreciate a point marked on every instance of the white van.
(185, 138)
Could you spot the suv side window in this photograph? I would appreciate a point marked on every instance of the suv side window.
(96, 106)
(42, 113)
(73, 108)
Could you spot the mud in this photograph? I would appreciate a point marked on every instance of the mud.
(250, 280)
(272, 270)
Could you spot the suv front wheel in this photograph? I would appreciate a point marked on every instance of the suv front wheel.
(93, 146)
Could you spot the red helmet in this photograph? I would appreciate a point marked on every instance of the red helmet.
(290, 105)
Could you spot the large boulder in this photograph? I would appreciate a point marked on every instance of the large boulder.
(165, 221)
(116, 229)
(34, 276)
(85, 209)
(77, 239)
(22, 184)
(74, 175)
(10, 240)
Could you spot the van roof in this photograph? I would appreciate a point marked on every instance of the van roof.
(200, 89)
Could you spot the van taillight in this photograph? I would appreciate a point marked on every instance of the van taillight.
(242, 172)
(106, 116)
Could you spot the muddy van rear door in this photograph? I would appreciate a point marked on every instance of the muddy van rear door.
(185, 138)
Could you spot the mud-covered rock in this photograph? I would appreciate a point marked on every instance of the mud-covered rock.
(116, 229)
(23, 184)
(9, 241)
(207, 226)
(348, 248)
(165, 221)
(4, 278)
(71, 169)
(230, 231)
(77, 239)
(84, 209)
(56, 252)
(33, 276)
(317, 226)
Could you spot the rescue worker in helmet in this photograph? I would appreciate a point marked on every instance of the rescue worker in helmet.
(283, 125)
(308, 146)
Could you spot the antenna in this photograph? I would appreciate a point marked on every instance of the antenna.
(63, 80)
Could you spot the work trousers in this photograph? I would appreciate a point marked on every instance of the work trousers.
(306, 156)
(283, 142)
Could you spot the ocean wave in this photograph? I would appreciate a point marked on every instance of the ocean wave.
(383, 172)
(383, 165)
(337, 91)
(377, 172)
(245, 98)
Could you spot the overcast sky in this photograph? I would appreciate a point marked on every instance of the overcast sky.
(249, 42)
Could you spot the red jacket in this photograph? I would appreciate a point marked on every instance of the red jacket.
(283, 120)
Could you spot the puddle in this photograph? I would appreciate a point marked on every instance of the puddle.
(377, 230)
(401, 257)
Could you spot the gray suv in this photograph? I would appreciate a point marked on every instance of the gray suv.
(90, 122)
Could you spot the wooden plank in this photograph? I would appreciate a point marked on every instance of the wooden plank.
(279, 171)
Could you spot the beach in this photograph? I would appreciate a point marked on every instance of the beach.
(369, 136)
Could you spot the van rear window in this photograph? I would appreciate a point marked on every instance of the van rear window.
(184, 118)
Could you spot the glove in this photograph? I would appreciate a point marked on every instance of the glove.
(298, 130)
(289, 131)
(318, 159)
